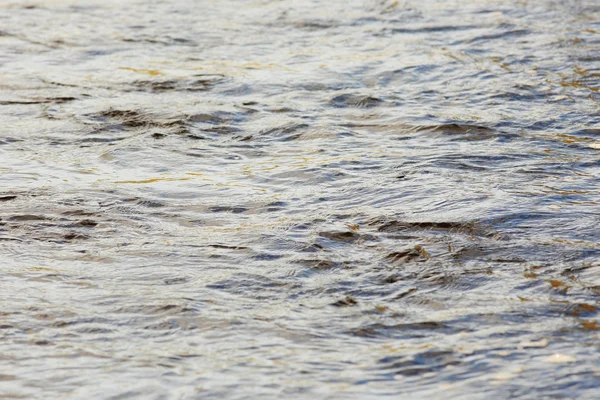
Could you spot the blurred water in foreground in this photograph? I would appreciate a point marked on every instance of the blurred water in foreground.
(275, 199)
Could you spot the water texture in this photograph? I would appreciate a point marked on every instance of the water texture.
(308, 199)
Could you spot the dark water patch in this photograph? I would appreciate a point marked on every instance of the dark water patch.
(321, 264)
(166, 325)
(286, 132)
(10, 239)
(126, 118)
(94, 330)
(132, 119)
(117, 120)
(347, 301)
(391, 225)
(588, 132)
(267, 257)
(454, 162)
(147, 203)
(87, 223)
(588, 58)
(281, 110)
(29, 217)
(314, 25)
(404, 330)
(462, 131)
(228, 209)
(223, 246)
(75, 236)
(171, 309)
(82, 213)
(356, 101)
(508, 260)
(187, 84)
(391, 279)
(420, 363)
(193, 152)
(342, 236)
(501, 35)
(404, 293)
(42, 342)
(434, 29)
(274, 206)
(418, 253)
(160, 40)
(439, 278)
(193, 136)
(99, 140)
(545, 125)
(8, 198)
(8, 140)
(176, 281)
(222, 129)
(311, 248)
(464, 253)
(49, 100)
(213, 119)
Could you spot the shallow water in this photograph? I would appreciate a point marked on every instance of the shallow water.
(341, 199)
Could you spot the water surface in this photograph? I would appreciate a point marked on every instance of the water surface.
(327, 199)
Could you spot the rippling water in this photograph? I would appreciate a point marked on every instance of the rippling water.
(337, 199)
